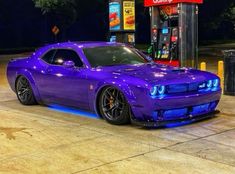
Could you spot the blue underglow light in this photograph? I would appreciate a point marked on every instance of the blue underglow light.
(73, 111)
(172, 125)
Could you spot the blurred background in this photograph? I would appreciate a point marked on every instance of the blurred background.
(27, 24)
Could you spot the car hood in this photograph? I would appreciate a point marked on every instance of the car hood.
(157, 73)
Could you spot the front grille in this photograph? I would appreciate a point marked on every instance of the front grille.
(181, 113)
(180, 88)
(175, 113)
(200, 109)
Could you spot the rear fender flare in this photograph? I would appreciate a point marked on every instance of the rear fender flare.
(29, 77)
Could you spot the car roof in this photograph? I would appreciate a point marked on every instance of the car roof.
(86, 44)
(97, 43)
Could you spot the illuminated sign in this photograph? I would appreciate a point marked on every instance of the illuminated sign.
(170, 9)
(113, 39)
(148, 3)
(114, 16)
(129, 15)
(55, 30)
(131, 38)
(165, 31)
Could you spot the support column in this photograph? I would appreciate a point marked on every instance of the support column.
(188, 35)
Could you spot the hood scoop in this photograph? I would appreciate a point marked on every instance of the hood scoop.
(124, 70)
(179, 70)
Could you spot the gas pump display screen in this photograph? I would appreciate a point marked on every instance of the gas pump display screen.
(165, 31)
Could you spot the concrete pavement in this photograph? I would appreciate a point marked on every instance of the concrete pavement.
(37, 139)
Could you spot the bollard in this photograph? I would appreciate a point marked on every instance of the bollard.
(221, 72)
(203, 66)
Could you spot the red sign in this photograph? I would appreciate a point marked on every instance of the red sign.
(148, 3)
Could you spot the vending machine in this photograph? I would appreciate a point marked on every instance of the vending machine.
(174, 31)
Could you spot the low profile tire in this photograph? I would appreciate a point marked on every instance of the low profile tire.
(114, 107)
(24, 91)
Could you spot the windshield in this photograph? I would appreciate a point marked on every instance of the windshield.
(113, 55)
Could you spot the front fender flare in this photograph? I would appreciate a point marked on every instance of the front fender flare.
(123, 87)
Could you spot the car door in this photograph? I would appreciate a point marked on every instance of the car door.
(65, 85)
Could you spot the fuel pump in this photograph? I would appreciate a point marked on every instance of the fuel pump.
(174, 31)
(154, 41)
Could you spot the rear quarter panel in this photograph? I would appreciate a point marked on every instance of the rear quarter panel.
(18, 67)
(13, 68)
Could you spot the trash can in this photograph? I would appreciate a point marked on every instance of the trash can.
(229, 72)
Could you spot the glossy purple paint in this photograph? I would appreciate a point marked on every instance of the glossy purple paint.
(80, 87)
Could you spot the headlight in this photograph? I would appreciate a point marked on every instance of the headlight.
(202, 85)
(161, 90)
(153, 91)
(209, 83)
(157, 90)
(216, 83)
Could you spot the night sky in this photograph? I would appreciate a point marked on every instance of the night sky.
(23, 25)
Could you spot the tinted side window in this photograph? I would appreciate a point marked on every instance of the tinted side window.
(63, 55)
(48, 57)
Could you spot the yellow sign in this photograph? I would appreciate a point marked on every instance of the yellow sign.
(128, 15)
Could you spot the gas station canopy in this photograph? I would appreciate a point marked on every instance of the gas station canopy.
(149, 3)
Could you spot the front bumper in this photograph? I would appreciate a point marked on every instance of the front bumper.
(169, 123)
(175, 108)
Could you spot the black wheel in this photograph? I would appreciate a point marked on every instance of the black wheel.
(114, 107)
(24, 91)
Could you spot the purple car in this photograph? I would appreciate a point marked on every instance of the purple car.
(116, 81)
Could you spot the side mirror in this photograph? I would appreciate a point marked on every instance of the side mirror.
(149, 58)
(69, 64)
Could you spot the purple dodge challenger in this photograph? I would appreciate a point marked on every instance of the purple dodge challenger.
(116, 81)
